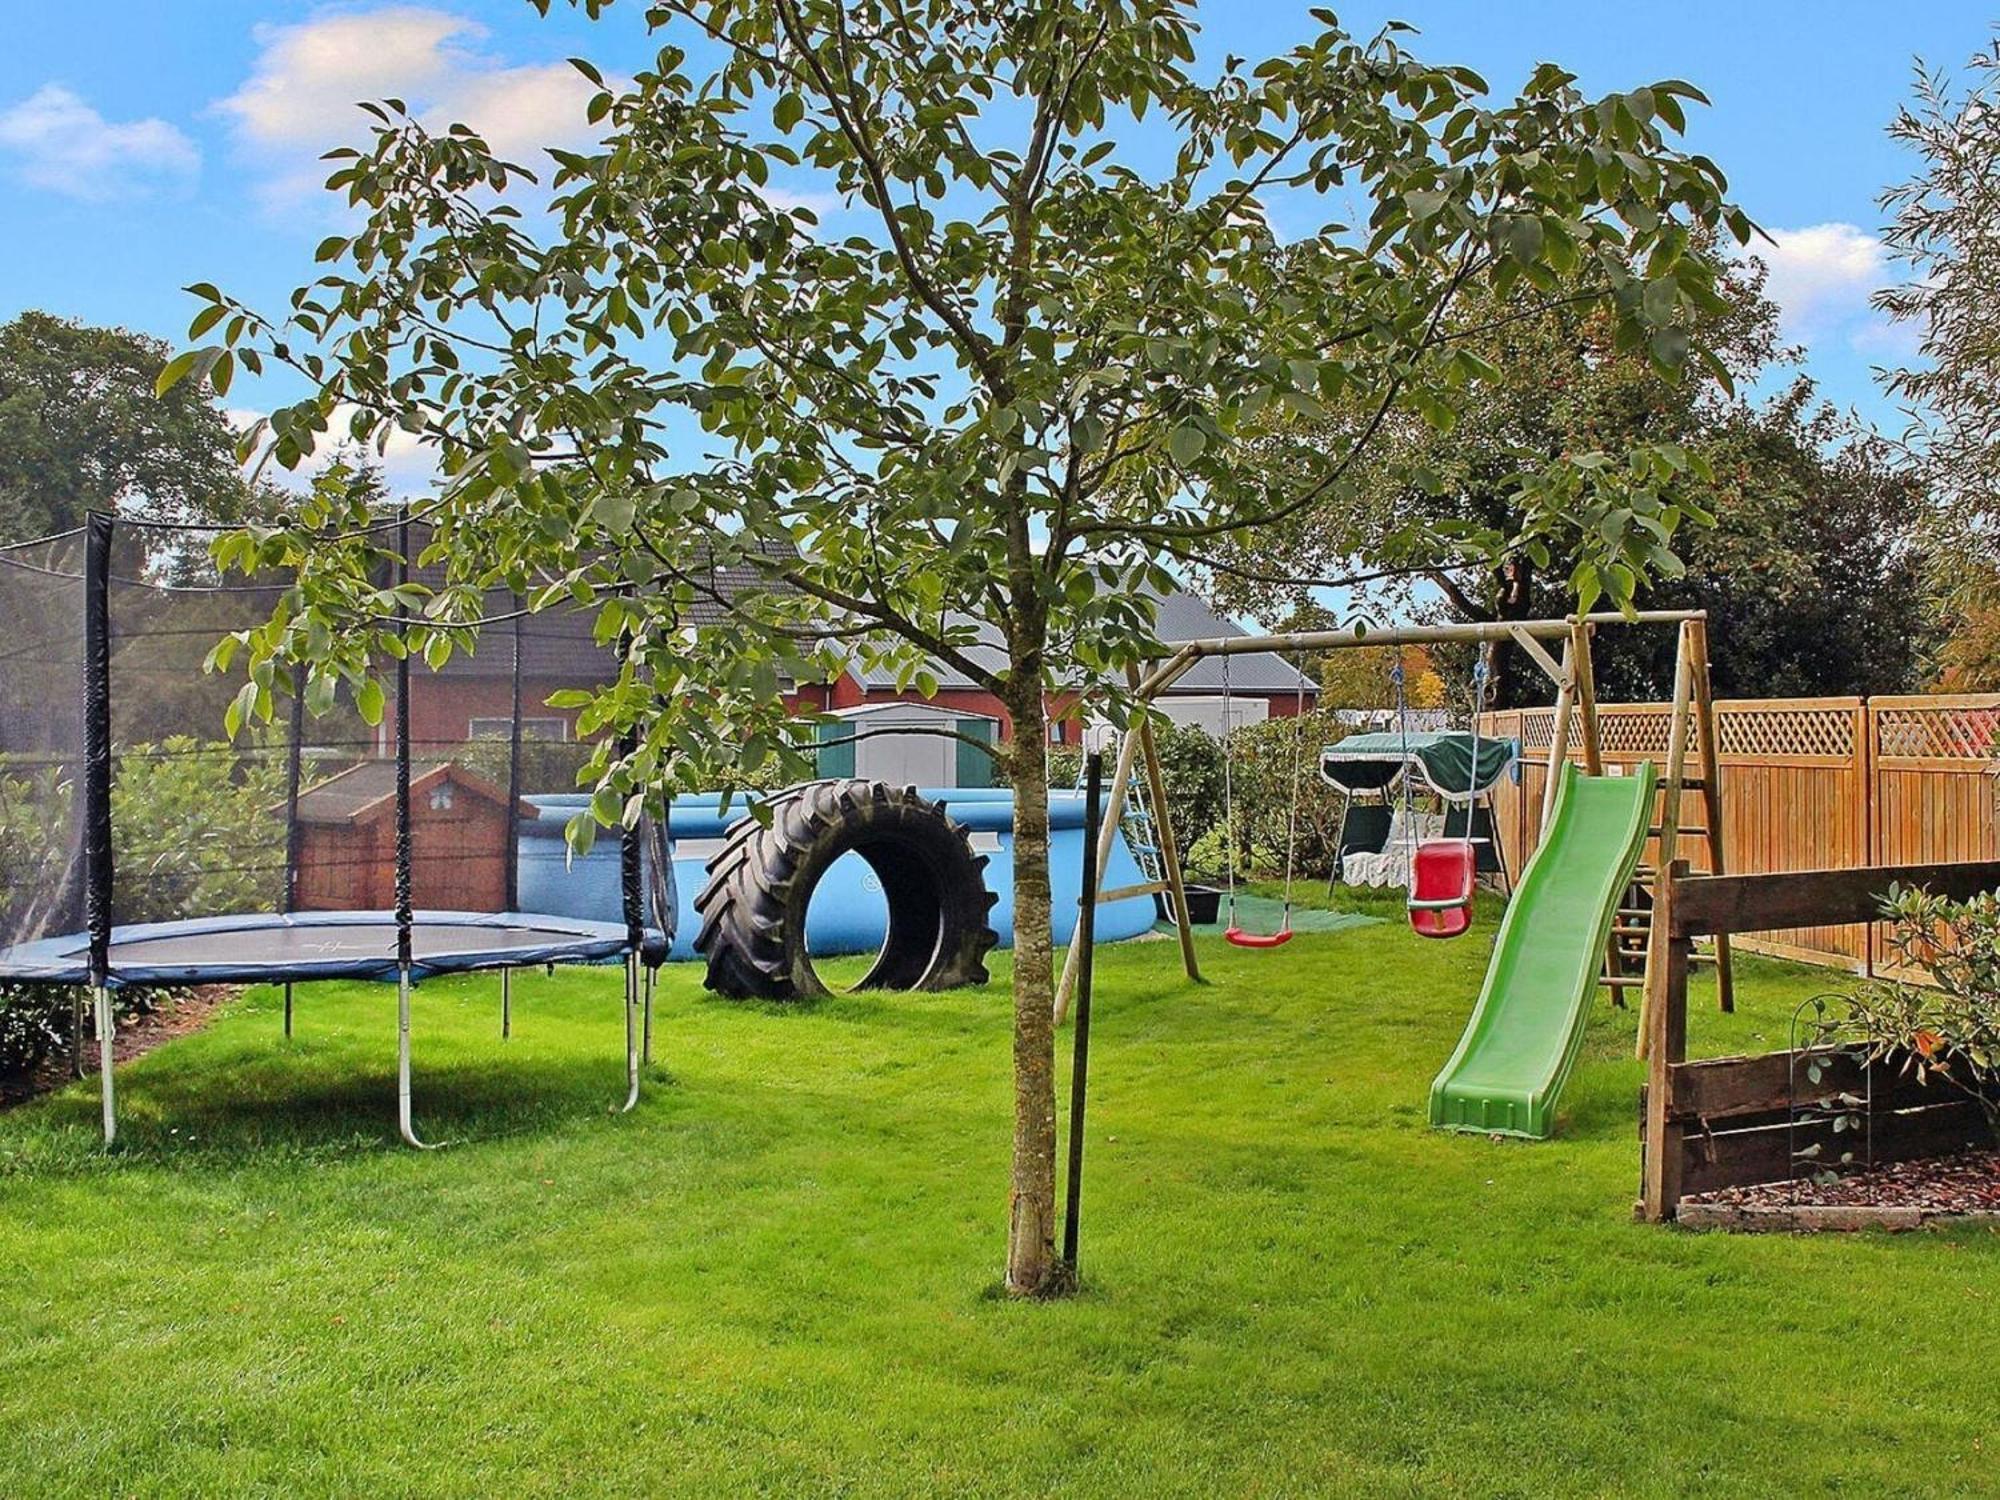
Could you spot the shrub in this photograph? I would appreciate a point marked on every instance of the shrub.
(1949, 1032)
(40, 889)
(1265, 758)
(197, 828)
(33, 1021)
(1191, 760)
(546, 765)
(194, 831)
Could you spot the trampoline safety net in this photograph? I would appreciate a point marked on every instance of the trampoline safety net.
(172, 821)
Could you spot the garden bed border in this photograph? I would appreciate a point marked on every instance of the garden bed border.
(1682, 1103)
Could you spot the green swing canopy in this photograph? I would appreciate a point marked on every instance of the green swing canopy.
(1372, 762)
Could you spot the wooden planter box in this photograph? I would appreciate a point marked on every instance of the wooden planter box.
(1741, 1121)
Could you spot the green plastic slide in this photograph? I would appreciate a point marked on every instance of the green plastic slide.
(1523, 1037)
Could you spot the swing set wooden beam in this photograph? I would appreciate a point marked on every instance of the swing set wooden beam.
(1569, 674)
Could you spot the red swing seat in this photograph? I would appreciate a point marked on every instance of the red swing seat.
(1244, 939)
(1442, 879)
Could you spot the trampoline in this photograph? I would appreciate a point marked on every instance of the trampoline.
(284, 948)
(140, 845)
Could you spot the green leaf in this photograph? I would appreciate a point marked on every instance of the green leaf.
(1187, 443)
(614, 510)
(1425, 204)
(176, 371)
(368, 701)
(789, 110)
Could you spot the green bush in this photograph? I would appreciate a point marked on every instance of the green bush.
(196, 828)
(1265, 761)
(546, 765)
(1191, 759)
(1948, 1030)
(38, 852)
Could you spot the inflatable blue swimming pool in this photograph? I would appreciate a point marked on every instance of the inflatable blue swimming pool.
(848, 914)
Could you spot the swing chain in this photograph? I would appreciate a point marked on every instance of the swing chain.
(1228, 792)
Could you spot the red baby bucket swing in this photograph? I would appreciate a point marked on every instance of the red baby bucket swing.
(1444, 872)
(1232, 931)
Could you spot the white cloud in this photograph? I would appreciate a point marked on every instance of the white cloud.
(409, 462)
(54, 140)
(303, 89)
(1821, 275)
(820, 202)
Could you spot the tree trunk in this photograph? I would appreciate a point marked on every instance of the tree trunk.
(1516, 602)
(1032, 1267)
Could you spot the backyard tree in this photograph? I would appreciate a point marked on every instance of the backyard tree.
(1561, 383)
(965, 419)
(1812, 569)
(1945, 226)
(81, 430)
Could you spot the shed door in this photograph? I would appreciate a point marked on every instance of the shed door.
(975, 766)
(921, 760)
(836, 762)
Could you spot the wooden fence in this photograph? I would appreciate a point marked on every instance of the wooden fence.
(1807, 784)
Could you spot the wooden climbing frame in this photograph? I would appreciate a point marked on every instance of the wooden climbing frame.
(1576, 696)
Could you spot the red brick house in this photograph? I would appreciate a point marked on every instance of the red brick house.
(472, 695)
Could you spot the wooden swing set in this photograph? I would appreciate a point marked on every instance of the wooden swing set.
(1691, 744)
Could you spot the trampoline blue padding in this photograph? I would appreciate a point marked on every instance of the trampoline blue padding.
(274, 948)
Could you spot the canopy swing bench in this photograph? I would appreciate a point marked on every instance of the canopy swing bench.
(1386, 846)
(1692, 739)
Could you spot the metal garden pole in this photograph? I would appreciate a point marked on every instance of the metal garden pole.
(1084, 939)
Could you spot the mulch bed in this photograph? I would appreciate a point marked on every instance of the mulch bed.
(1904, 1195)
(177, 1013)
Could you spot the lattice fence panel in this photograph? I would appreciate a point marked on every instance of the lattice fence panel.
(1538, 730)
(1647, 732)
(1827, 731)
(1953, 731)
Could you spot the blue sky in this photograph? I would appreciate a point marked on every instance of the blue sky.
(145, 144)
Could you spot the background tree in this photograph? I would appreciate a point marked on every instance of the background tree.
(1432, 498)
(1816, 574)
(82, 429)
(1812, 567)
(1945, 226)
(994, 403)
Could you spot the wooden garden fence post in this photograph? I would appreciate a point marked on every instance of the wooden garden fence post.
(1666, 1020)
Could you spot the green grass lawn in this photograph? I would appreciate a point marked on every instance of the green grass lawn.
(777, 1275)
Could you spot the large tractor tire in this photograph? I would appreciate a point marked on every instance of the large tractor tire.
(753, 908)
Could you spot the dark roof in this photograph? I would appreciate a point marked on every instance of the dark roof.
(561, 644)
(1188, 617)
(1182, 617)
(558, 644)
(368, 791)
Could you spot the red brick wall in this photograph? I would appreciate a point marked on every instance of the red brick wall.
(442, 708)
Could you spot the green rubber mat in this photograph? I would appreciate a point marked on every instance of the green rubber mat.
(1262, 914)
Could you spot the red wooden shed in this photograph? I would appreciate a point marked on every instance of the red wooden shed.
(461, 830)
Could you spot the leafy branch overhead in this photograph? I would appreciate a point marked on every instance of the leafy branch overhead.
(1024, 374)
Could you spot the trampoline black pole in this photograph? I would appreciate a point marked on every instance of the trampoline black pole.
(98, 869)
(1085, 937)
(657, 868)
(404, 897)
